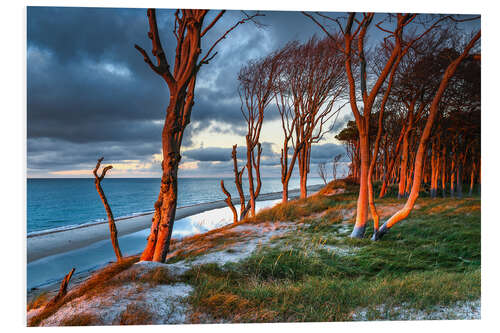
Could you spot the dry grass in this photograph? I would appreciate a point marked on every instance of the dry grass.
(135, 314)
(38, 301)
(95, 285)
(216, 240)
(82, 319)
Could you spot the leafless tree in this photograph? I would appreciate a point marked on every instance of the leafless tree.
(111, 221)
(311, 84)
(424, 139)
(355, 31)
(238, 181)
(189, 30)
(335, 165)
(256, 90)
(322, 171)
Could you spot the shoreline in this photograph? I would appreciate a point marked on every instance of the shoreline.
(52, 242)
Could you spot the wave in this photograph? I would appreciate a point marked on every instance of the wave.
(85, 224)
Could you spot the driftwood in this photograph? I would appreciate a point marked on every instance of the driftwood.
(63, 289)
(238, 176)
(229, 202)
(112, 226)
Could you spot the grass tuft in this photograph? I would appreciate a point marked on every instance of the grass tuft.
(135, 314)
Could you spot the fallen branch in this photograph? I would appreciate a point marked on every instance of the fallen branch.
(63, 289)
(112, 226)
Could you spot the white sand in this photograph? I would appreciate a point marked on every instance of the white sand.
(165, 303)
(461, 310)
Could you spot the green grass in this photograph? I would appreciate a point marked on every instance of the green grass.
(317, 273)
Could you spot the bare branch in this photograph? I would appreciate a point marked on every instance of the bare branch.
(221, 13)
(242, 21)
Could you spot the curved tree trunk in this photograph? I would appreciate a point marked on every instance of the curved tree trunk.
(111, 221)
(422, 147)
(229, 202)
(362, 204)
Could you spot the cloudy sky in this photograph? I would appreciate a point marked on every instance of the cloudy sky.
(90, 94)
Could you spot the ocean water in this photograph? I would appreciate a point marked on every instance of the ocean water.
(54, 203)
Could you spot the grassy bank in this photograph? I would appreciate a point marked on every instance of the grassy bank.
(295, 262)
(317, 273)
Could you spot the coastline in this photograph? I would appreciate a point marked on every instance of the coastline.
(52, 242)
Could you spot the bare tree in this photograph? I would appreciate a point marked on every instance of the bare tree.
(189, 31)
(355, 30)
(111, 221)
(322, 171)
(238, 177)
(256, 90)
(424, 138)
(63, 289)
(335, 165)
(311, 83)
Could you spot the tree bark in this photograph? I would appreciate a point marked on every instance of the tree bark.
(433, 112)
(111, 221)
(63, 289)
(229, 202)
(472, 173)
(181, 83)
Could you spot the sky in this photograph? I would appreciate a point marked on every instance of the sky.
(90, 94)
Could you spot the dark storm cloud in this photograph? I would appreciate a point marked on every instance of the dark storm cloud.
(209, 154)
(57, 155)
(215, 154)
(325, 152)
(88, 87)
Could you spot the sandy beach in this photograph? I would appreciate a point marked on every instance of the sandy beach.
(54, 242)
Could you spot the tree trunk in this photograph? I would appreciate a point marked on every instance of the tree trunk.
(459, 181)
(390, 168)
(443, 173)
(362, 204)
(452, 178)
(63, 289)
(404, 157)
(111, 221)
(303, 158)
(229, 202)
(471, 188)
(422, 147)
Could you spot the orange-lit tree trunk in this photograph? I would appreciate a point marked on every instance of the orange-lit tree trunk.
(435, 167)
(188, 31)
(404, 155)
(443, 172)
(453, 170)
(111, 220)
(238, 176)
(256, 90)
(472, 173)
(422, 147)
(229, 201)
(63, 289)
(373, 161)
(363, 120)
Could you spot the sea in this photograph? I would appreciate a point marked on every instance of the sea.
(61, 203)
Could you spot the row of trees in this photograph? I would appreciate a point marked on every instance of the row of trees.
(421, 78)
(304, 82)
(308, 83)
